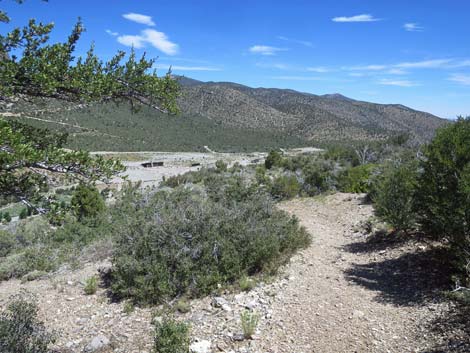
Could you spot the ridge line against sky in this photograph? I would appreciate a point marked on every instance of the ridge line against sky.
(384, 52)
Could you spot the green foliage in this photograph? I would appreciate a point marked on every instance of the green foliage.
(6, 217)
(249, 322)
(20, 329)
(221, 166)
(274, 159)
(394, 194)
(443, 195)
(443, 185)
(246, 284)
(171, 336)
(285, 187)
(183, 242)
(7, 243)
(25, 150)
(34, 67)
(87, 202)
(183, 305)
(91, 285)
(356, 179)
(24, 213)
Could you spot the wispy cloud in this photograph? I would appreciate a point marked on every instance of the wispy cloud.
(426, 64)
(399, 68)
(399, 83)
(357, 18)
(297, 41)
(265, 50)
(187, 68)
(413, 27)
(279, 66)
(111, 33)
(397, 72)
(139, 18)
(158, 40)
(366, 68)
(460, 78)
(319, 69)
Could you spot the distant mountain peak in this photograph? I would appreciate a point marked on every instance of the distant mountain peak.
(336, 96)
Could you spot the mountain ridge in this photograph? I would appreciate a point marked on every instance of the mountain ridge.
(306, 115)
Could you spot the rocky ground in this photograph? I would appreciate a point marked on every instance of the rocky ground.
(345, 293)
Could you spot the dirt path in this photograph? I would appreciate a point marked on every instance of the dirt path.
(344, 297)
(342, 294)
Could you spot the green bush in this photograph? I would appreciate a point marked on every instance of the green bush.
(221, 166)
(249, 322)
(356, 179)
(443, 195)
(285, 187)
(87, 202)
(24, 213)
(7, 243)
(274, 159)
(394, 196)
(6, 217)
(171, 337)
(183, 242)
(20, 329)
(91, 285)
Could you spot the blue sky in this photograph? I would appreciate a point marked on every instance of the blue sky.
(413, 52)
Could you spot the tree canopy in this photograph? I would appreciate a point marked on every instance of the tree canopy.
(33, 68)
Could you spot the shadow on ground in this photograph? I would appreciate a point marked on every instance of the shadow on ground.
(454, 327)
(410, 278)
(380, 240)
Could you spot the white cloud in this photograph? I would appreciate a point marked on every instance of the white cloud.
(111, 33)
(158, 40)
(413, 27)
(302, 42)
(427, 64)
(367, 68)
(460, 78)
(399, 83)
(357, 18)
(397, 72)
(278, 66)
(132, 41)
(265, 50)
(318, 69)
(187, 68)
(139, 18)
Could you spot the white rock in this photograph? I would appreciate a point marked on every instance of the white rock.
(203, 346)
(97, 343)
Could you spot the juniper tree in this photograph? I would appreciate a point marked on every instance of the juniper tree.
(31, 67)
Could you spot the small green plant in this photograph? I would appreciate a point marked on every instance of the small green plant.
(285, 187)
(20, 329)
(171, 336)
(221, 166)
(91, 285)
(246, 284)
(6, 217)
(87, 202)
(183, 306)
(249, 321)
(24, 213)
(128, 308)
(274, 159)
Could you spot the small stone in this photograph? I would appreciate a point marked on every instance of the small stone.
(202, 346)
(97, 344)
(219, 302)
